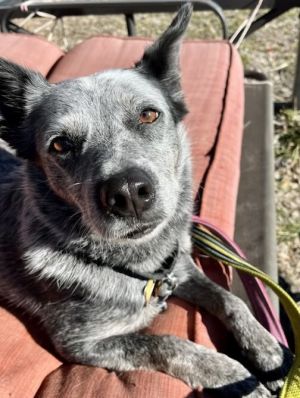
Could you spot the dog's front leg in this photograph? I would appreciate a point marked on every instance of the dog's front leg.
(192, 363)
(270, 359)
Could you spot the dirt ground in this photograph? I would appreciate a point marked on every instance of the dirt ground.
(272, 50)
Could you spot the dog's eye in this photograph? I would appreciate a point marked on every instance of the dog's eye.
(148, 116)
(61, 145)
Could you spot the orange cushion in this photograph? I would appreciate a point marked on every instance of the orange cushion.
(213, 83)
(34, 52)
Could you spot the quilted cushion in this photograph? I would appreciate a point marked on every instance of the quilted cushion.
(213, 83)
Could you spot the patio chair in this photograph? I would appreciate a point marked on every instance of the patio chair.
(213, 82)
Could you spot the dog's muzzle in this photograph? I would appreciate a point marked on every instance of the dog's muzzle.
(127, 194)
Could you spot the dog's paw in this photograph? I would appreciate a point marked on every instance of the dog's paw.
(274, 360)
(270, 361)
(264, 356)
(229, 378)
(273, 373)
(275, 386)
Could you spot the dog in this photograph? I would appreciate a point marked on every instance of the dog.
(97, 202)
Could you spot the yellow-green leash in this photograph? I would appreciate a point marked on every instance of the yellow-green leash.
(211, 245)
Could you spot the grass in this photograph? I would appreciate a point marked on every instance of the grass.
(288, 147)
(288, 229)
(287, 154)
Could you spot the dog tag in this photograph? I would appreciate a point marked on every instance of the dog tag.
(149, 290)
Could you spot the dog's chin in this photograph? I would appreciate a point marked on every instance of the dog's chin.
(141, 234)
(138, 232)
(134, 235)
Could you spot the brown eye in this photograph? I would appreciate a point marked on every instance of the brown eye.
(58, 146)
(61, 145)
(148, 116)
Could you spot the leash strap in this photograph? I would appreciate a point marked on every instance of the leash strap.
(219, 249)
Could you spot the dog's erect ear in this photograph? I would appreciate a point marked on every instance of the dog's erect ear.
(161, 60)
(20, 91)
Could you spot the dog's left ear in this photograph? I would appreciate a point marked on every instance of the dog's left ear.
(161, 61)
(21, 91)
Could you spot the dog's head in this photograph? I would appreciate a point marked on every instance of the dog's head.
(111, 144)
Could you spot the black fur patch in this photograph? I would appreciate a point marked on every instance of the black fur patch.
(15, 85)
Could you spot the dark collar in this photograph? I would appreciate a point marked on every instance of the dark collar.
(165, 269)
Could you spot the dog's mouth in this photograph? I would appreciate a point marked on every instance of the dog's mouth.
(139, 232)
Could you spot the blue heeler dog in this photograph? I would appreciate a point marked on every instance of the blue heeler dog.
(98, 201)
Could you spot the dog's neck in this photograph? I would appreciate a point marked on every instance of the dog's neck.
(165, 269)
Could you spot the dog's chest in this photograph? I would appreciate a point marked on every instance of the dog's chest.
(119, 310)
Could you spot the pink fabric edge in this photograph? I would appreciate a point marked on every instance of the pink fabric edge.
(255, 289)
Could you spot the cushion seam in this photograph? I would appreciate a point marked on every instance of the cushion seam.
(212, 152)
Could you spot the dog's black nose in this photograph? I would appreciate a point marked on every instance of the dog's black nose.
(127, 194)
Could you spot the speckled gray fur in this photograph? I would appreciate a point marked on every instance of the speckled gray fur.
(59, 248)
